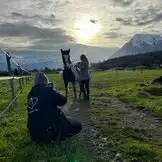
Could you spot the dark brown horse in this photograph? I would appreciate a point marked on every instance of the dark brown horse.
(68, 75)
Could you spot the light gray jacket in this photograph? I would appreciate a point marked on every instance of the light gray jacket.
(84, 72)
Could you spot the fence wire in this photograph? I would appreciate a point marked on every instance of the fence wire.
(7, 99)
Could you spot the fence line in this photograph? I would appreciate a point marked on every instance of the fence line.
(11, 79)
(7, 54)
(10, 104)
(13, 101)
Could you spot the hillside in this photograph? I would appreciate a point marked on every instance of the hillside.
(140, 43)
(148, 59)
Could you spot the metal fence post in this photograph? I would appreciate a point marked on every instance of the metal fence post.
(10, 74)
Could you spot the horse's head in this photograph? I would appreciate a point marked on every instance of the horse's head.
(66, 56)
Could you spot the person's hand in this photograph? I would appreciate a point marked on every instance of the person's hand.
(77, 64)
(50, 84)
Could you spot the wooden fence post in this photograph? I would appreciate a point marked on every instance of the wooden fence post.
(22, 81)
(10, 74)
(26, 80)
(20, 84)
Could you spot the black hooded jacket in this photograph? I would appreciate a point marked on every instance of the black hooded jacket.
(43, 111)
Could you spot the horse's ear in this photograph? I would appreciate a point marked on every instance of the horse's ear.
(61, 50)
(69, 50)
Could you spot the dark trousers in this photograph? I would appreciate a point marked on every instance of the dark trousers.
(68, 128)
(84, 85)
(72, 129)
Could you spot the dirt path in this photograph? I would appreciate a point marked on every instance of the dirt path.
(132, 117)
(144, 125)
(80, 110)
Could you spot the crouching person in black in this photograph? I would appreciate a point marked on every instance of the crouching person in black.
(46, 122)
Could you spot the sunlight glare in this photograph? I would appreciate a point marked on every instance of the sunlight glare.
(87, 29)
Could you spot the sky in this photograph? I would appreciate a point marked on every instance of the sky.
(44, 24)
(48, 25)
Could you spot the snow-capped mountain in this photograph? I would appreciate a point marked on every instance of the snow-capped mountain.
(140, 43)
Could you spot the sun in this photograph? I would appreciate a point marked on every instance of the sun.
(86, 29)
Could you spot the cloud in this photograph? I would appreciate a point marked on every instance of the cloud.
(123, 2)
(33, 32)
(140, 21)
(115, 28)
(46, 19)
(48, 23)
(47, 44)
(142, 17)
(93, 21)
(41, 37)
(37, 16)
(113, 35)
(16, 14)
(123, 21)
(156, 18)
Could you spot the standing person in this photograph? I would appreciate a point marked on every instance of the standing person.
(46, 122)
(84, 76)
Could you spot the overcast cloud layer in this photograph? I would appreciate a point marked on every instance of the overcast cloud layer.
(43, 25)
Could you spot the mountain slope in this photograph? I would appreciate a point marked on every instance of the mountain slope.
(140, 43)
(149, 60)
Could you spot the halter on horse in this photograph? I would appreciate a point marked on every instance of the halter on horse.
(70, 73)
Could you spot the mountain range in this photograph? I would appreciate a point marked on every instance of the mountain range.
(52, 59)
(140, 43)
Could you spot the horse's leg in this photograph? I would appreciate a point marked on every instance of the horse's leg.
(66, 89)
(80, 93)
(66, 85)
(74, 89)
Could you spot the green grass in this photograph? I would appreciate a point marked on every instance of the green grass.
(5, 93)
(133, 144)
(125, 86)
(15, 145)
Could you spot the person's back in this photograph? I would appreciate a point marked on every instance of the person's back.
(42, 109)
(84, 75)
(45, 120)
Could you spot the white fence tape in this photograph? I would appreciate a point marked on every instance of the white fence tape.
(8, 78)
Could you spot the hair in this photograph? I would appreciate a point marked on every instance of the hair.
(40, 78)
(84, 58)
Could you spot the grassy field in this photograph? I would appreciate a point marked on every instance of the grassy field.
(126, 86)
(105, 113)
(5, 93)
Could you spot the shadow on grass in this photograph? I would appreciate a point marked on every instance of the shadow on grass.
(69, 150)
(80, 106)
(154, 91)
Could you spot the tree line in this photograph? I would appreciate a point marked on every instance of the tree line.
(19, 72)
(147, 60)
